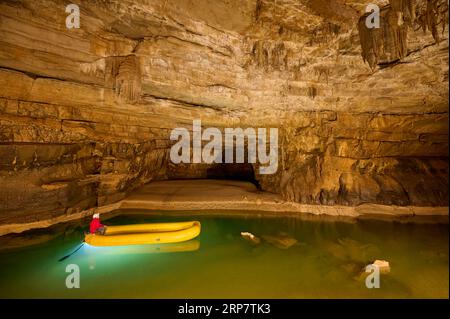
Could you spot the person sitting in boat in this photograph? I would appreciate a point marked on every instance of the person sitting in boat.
(96, 227)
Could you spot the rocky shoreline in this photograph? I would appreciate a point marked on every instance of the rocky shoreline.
(224, 197)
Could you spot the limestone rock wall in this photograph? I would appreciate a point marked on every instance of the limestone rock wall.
(86, 114)
(349, 159)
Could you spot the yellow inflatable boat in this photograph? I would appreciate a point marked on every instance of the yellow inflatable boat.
(141, 234)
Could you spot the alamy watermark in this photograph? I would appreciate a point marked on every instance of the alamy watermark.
(373, 19)
(373, 279)
(73, 279)
(233, 142)
(73, 19)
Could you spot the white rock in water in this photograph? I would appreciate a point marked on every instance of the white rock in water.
(383, 265)
(250, 237)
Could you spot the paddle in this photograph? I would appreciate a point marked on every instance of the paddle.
(67, 256)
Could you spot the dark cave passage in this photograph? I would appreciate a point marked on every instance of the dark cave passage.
(233, 171)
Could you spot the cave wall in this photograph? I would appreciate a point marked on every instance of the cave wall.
(86, 114)
(354, 158)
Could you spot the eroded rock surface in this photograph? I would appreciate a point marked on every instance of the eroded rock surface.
(86, 114)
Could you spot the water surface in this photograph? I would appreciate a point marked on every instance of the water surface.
(326, 261)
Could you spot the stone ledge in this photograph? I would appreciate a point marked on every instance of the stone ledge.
(21, 227)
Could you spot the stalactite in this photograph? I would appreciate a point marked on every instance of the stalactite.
(270, 55)
(322, 72)
(324, 33)
(128, 81)
(111, 70)
(372, 42)
(389, 42)
(312, 92)
(432, 15)
(407, 8)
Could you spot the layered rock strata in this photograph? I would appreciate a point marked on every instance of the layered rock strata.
(86, 114)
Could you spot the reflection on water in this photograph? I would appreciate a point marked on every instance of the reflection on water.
(323, 259)
(190, 245)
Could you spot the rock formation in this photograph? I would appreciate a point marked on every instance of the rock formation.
(86, 114)
(389, 42)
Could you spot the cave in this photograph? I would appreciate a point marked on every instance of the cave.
(121, 108)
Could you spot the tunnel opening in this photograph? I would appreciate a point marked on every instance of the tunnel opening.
(233, 171)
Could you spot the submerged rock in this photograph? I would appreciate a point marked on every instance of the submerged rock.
(280, 241)
(350, 250)
(350, 268)
(250, 237)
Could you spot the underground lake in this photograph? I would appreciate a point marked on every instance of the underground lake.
(297, 257)
(227, 149)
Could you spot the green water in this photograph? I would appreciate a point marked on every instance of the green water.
(326, 261)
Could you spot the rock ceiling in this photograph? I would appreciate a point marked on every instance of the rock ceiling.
(240, 56)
